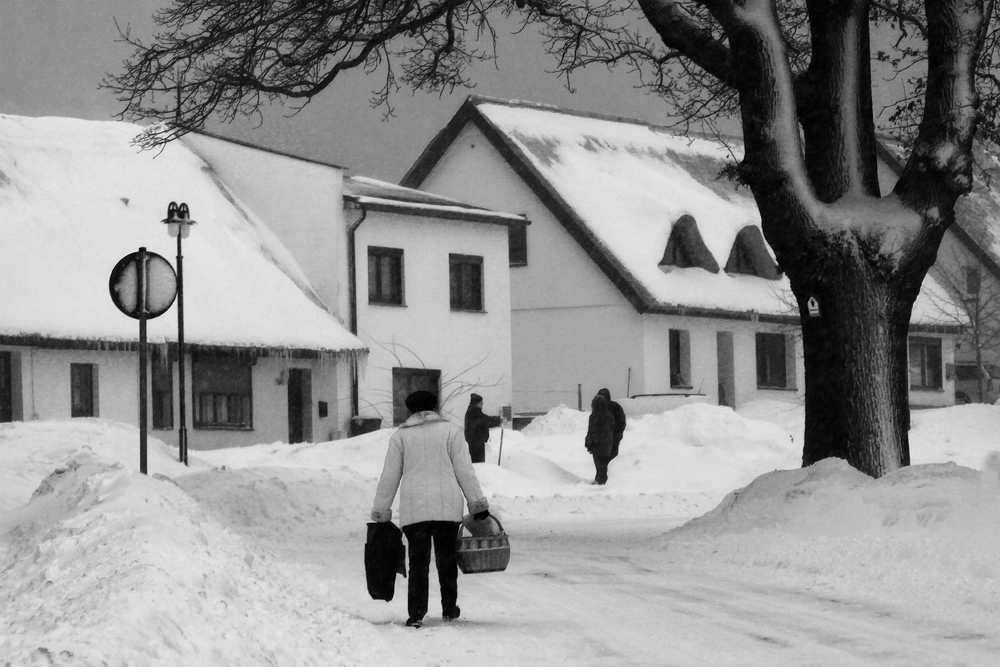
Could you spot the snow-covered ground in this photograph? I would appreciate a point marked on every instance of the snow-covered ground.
(708, 546)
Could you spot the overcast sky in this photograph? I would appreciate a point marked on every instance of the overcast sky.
(54, 53)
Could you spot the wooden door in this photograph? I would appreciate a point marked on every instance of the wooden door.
(405, 381)
(299, 405)
(6, 391)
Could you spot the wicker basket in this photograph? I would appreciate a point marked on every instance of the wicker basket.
(489, 553)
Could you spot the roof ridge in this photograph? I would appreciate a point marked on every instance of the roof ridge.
(273, 151)
(433, 199)
(475, 100)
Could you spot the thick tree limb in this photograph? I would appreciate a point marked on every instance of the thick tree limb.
(679, 31)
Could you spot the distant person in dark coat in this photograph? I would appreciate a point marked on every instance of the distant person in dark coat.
(600, 436)
(477, 428)
(619, 415)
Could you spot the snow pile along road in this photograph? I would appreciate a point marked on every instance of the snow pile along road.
(108, 566)
(925, 536)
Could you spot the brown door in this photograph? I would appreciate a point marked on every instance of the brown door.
(299, 405)
(727, 369)
(405, 381)
(6, 392)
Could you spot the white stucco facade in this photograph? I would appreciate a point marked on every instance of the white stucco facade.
(472, 350)
(574, 330)
(42, 391)
(300, 201)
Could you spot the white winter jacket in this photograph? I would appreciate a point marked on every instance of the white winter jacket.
(429, 462)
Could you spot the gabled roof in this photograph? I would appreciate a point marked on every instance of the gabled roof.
(76, 196)
(618, 186)
(391, 198)
(977, 215)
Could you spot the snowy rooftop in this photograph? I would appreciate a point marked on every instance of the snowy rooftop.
(382, 195)
(624, 184)
(76, 196)
(977, 215)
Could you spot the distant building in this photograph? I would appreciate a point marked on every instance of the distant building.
(421, 279)
(968, 267)
(266, 360)
(642, 271)
(433, 298)
(272, 302)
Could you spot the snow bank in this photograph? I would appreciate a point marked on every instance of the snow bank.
(274, 501)
(108, 566)
(925, 536)
(29, 451)
(99, 563)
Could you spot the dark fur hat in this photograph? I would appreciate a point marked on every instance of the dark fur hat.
(419, 401)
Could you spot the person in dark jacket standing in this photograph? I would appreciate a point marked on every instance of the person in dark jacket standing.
(477, 428)
(619, 415)
(600, 436)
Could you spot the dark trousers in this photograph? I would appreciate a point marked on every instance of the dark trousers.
(420, 535)
(601, 463)
(477, 450)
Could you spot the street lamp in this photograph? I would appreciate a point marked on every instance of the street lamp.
(178, 222)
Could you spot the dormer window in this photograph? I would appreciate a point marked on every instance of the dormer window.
(686, 249)
(677, 255)
(749, 255)
(740, 261)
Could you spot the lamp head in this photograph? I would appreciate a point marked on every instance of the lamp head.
(178, 220)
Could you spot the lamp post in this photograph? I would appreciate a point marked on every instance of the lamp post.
(178, 222)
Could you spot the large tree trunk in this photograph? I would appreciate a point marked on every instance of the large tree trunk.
(855, 354)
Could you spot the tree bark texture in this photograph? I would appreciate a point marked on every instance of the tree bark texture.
(810, 161)
(855, 355)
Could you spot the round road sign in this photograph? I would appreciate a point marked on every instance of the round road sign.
(161, 284)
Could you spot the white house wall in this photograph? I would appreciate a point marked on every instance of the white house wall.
(473, 171)
(704, 358)
(472, 350)
(43, 393)
(270, 407)
(45, 383)
(952, 258)
(299, 200)
(560, 290)
(563, 351)
(572, 326)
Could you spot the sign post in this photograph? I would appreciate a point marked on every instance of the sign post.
(140, 291)
(143, 285)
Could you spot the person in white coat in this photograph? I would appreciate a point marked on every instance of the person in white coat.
(428, 462)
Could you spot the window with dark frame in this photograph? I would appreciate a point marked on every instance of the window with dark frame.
(162, 390)
(973, 280)
(925, 363)
(466, 282)
(223, 397)
(6, 388)
(385, 276)
(517, 243)
(83, 401)
(772, 361)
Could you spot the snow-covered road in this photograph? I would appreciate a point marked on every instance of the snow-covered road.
(821, 566)
(603, 592)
